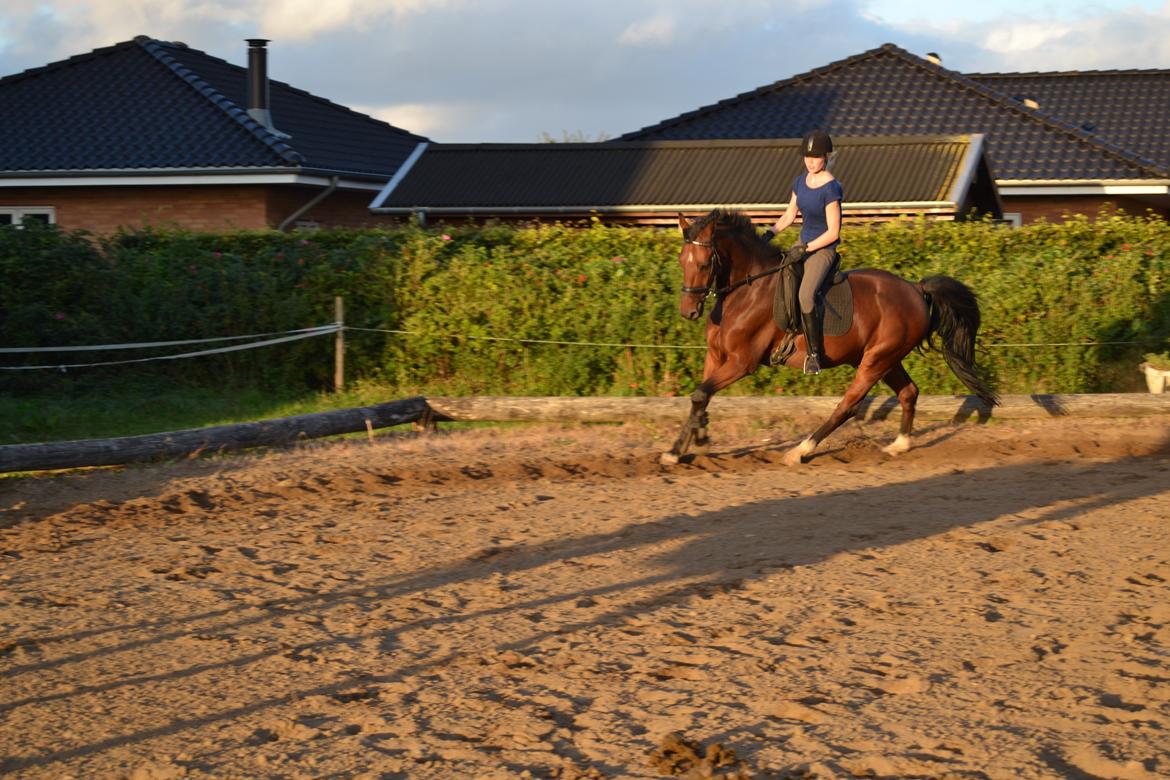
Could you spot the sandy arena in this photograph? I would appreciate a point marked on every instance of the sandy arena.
(550, 602)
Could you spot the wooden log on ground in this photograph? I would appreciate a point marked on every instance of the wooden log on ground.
(958, 408)
(224, 438)
(221, 438)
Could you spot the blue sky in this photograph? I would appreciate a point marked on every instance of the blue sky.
(513, 70)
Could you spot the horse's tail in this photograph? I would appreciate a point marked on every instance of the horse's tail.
(954, 316)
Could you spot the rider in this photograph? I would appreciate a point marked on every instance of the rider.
(816, 195)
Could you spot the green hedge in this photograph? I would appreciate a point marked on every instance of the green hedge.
(1080, 281)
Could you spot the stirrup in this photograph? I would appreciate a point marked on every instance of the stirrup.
(811, 364)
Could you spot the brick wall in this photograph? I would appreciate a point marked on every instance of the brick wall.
(102, 210)
(1054, 209)
(342, 208)
(225, 207)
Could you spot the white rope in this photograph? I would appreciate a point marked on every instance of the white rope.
(527, 341)
(307, 334)
(678, 346)
(322, 330)
(1074, 344)
(148, 344)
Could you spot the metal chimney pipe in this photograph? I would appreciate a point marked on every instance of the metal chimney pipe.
(258, 80)
(258, 85)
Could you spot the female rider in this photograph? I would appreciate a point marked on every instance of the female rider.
(816, 196)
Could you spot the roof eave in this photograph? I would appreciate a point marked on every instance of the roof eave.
(654, 208)
(136, 177)
(1083, 186)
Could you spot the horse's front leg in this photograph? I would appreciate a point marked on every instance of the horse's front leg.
(691, 428)
(716, 377)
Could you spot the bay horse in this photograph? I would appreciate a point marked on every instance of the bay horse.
(723, 256)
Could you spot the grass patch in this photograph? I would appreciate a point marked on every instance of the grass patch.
(129, 409)
(107, 410)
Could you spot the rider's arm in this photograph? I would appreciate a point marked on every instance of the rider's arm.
(789, 215)
(833, 220)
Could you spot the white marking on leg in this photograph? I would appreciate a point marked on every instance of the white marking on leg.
(796, 455)
(899, 445)
(668, 459)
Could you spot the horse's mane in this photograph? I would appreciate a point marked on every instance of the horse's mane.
(736, 221)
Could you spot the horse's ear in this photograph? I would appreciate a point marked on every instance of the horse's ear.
(683, 222)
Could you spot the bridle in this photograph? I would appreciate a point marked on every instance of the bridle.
(719, 292)
(714, 258)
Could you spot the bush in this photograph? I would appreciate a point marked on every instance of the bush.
(1055, 300)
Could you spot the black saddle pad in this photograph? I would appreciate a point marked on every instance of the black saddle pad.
(838, 304)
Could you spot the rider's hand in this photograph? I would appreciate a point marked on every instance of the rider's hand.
(795, 252)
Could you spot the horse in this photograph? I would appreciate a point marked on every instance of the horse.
(724, 257)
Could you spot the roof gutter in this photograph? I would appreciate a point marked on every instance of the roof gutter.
(645, 208)
(171, 177)
(1017, 187)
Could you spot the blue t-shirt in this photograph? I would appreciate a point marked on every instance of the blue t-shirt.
(812, 203)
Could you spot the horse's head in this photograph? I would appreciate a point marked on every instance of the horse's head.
(698, 259)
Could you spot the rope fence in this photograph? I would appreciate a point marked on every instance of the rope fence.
(282, 337)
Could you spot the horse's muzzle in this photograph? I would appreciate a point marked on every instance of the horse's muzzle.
(689, 309)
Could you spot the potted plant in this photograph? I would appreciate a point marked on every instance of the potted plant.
(1157, 370)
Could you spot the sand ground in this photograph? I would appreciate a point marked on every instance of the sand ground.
(551, 602)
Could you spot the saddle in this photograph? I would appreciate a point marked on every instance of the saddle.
(835, 291)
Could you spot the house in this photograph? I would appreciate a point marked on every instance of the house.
(651, 182)
(150, 132)
(1056, 142)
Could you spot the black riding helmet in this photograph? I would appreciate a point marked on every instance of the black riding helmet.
(816, 144)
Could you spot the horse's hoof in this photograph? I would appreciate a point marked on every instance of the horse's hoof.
(668, 459)
(899, 445)
(797, 455)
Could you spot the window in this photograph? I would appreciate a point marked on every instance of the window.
(16, 215)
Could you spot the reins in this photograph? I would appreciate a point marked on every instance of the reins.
(720, 292)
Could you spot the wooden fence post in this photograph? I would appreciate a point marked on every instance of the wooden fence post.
(339, 344)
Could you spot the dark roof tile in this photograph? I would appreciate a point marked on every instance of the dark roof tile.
(149, 105)
(527, 178)
(1128, 108)
(888, 91)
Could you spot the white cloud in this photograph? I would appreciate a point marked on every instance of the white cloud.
(508, 70)
(94, 23)
(429, 119)
(657, 30)
(303, 19)
(1024, 36)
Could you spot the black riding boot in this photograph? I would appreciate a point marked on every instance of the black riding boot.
(814, 337)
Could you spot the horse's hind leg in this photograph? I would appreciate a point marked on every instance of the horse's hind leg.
(907, 392)
(867, 376)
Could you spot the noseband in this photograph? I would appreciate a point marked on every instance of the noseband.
(706, 289)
